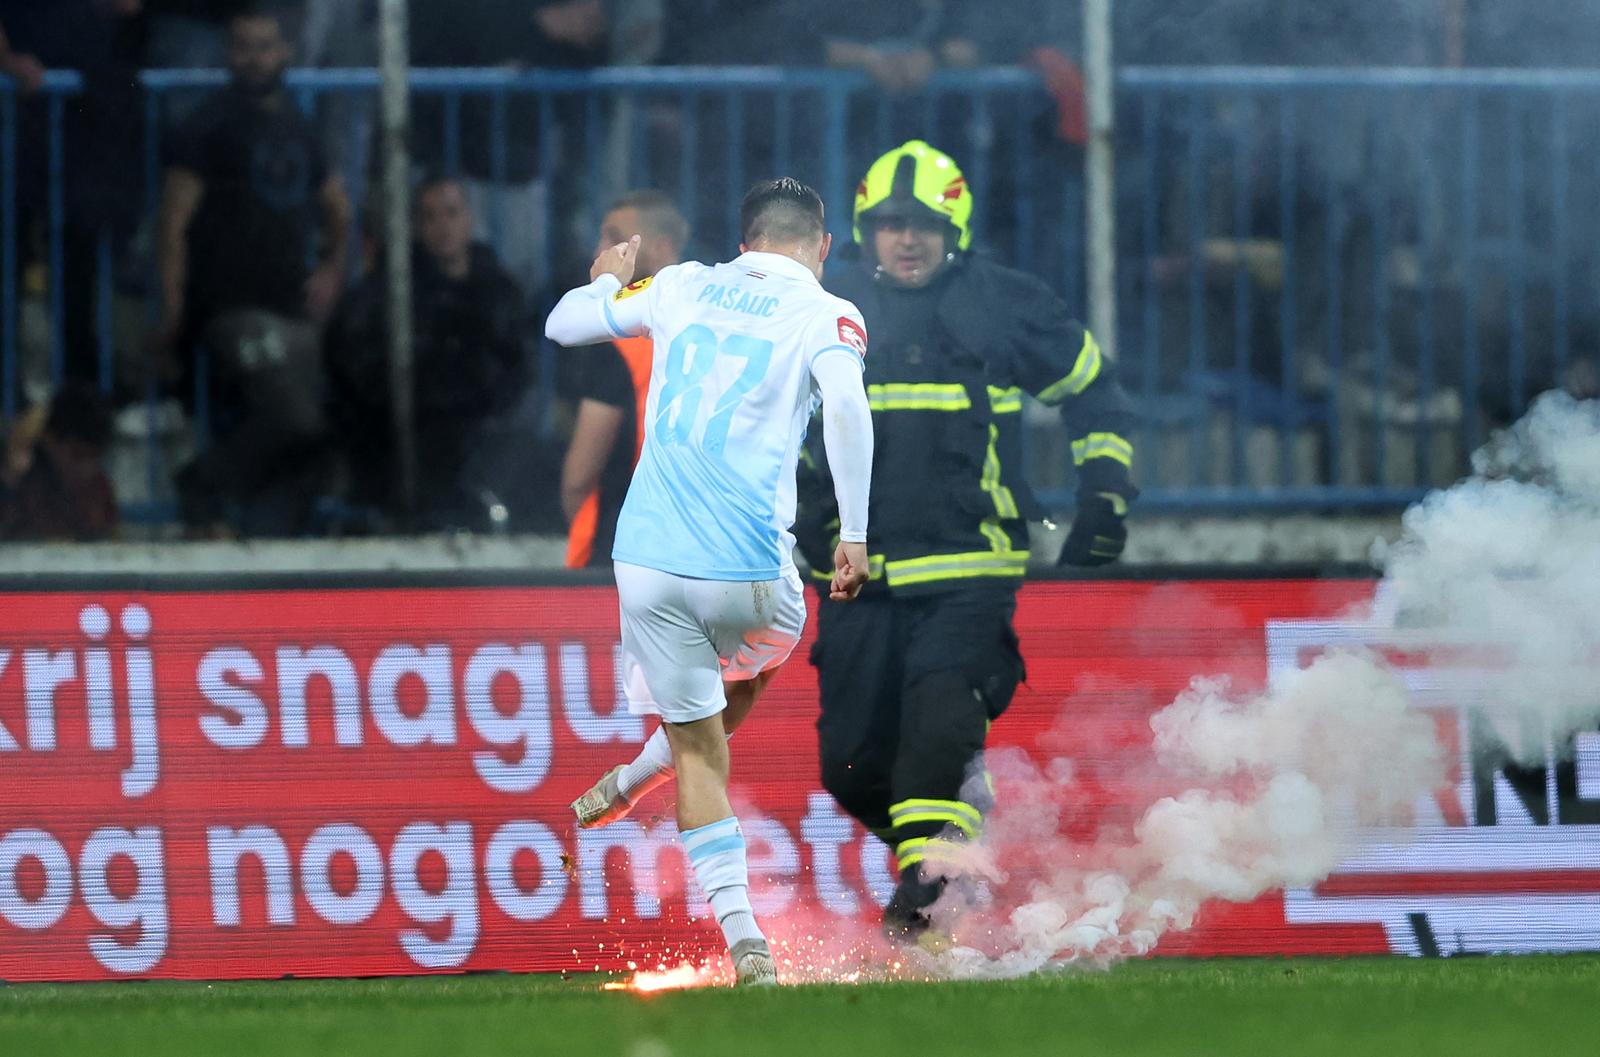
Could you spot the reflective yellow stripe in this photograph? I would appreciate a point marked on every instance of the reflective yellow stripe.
(995, 534)
(956, 813)
(918, 396)
(965, 573)
(955, 808)
(1102, 446)
(943, 817)
(911, 852)
(964, 819)
(1119, 505)
(1005, 401)
(1005, 504)
(956, 567)
(938, 396)
(1084, 371)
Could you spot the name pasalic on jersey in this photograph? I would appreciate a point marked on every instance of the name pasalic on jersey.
(737, 299)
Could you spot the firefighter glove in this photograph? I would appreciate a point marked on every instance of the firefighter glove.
(1100, 531)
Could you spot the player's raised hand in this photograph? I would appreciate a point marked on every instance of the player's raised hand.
(618, 260)
(849, 571)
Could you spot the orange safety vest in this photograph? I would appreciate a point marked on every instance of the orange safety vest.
(638, 354)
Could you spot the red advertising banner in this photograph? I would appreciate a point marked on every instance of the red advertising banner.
(367, 782)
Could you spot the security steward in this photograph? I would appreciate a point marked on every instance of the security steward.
(915, 670)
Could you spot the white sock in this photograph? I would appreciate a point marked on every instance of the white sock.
(650, 769)
(717, 854)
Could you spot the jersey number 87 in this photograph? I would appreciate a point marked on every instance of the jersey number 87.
(690, 359)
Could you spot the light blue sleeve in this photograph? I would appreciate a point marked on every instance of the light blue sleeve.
(605, 310)
(630, 311)
(582, 316)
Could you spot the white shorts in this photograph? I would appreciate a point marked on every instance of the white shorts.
(682, 638)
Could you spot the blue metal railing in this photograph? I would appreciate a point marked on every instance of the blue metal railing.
(821, 125)
(1323, 272)
(1338, 280)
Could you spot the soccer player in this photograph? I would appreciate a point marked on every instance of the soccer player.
(711, 603)
(911, 674)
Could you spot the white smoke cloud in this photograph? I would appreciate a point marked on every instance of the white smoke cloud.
(1272, 790)
(1269, 790)
(1507, 563)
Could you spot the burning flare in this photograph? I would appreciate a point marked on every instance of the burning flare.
(677, 978)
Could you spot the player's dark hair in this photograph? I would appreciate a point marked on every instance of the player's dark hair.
(659, 211)
(780, 211)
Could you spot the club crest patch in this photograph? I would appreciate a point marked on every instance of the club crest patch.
(632, 288)
(852, 334)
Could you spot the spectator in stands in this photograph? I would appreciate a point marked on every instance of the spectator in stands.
(1049, 128)
(190, 34)
(511, 199)
(193, 34)
(102, 194)
(899, 45)
(900, 49)
(53, 485)
(611, 382)
(468, 364)
(736, 32)
(245, 189)
(719, 33)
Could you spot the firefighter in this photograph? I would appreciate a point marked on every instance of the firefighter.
(913, 673)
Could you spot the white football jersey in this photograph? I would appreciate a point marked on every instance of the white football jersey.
(731, 393)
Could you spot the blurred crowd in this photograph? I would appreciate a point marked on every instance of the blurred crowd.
(263, 254)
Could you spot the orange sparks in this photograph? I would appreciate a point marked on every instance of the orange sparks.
(675, 979)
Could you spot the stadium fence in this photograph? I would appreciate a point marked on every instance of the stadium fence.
(1332, 282)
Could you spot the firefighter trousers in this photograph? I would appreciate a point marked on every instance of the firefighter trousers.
(909, 686)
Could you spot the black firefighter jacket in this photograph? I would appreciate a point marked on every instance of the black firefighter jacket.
(946, 368)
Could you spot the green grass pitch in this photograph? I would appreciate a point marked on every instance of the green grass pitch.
(1241, 1008)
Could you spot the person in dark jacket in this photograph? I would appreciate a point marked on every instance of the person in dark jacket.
(103, 198)
(251, 242)
(913, 675)
(468, 361)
